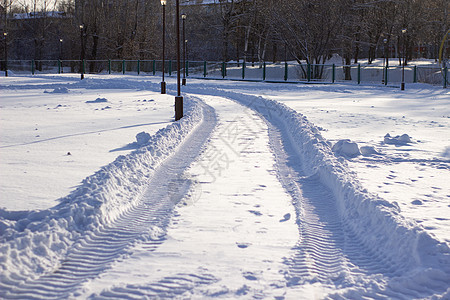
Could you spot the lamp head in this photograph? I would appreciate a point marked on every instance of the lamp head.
(183, 16)
(163, 2)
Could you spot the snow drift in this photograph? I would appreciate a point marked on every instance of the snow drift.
(32, 242)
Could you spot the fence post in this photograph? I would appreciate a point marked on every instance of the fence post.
(123, 67)
(264, 70)
(243, 69)
(415, 74)
(138, 66)
(359, 73)
(204, 68)
(59, 66)
(308, 72)
(445, 76)
(84, 66)
(32, 67)
(333, 73)
(170, 67)
(109, 66)
(285, 71)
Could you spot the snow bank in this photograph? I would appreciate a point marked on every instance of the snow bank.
(374, 222)
(32, 242)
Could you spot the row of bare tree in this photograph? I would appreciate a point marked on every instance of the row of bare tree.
(304, 30)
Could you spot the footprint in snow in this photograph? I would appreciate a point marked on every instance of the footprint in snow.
(249, 276)
(286, 217)
(255, 212)
(243, 245)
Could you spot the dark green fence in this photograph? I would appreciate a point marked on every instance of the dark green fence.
(261, 71)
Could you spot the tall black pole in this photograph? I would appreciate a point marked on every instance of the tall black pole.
(404, 60)
(5, 34)
(178, 98)
(183, 16)
(82, 52)
(163, 83)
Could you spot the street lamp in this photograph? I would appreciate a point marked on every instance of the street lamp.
(178, 98)
(5, 35)
(404, 60)
(60, 48)
(163, 83)
(82, 52)
(183, 17)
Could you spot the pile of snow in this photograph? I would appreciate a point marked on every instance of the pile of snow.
(346, 148)
(98, 100)
(398, 140)
(142, 138)
(369, 151)
(59, 90)
(32, 242)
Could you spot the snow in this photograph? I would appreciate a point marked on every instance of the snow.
(261, 190)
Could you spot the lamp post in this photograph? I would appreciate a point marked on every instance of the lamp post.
(404, 60)
(5, 35)
(163, 83)
(384, 61)
(178, 98)
(183, 17)
(82, 52)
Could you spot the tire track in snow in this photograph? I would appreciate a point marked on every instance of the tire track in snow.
(325, 251)
(328, 250)
(144, 223)
(168, 287)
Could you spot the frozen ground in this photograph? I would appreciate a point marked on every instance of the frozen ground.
(242, 198)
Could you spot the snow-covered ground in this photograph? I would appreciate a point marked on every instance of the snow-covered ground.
(305, 197)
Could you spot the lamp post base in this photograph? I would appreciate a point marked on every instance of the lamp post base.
(183, 81)
(178, 107)
(402, 86)
(163, 87)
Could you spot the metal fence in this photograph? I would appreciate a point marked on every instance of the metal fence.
(261, 71)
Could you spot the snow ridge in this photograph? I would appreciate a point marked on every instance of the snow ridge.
(415, 263)
(32, 242)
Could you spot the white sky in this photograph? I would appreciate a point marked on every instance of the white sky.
(39, 3)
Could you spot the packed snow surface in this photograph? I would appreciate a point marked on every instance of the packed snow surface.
(260, 191)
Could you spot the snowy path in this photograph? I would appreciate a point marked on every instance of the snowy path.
(244, 236)
(238, 228)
